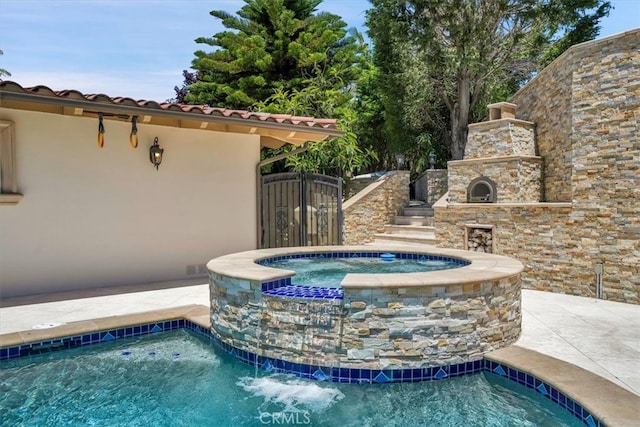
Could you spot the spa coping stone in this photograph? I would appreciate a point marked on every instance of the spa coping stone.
(242, 265)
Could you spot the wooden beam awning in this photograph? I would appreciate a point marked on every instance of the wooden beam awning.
(275, 130)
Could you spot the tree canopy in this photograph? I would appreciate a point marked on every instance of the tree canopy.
(270, 46)
(448, 58)
(283, 56)
(434, 68)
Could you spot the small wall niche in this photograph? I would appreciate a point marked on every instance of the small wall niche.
(479, 238)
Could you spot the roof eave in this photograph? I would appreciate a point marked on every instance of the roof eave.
(321, 133)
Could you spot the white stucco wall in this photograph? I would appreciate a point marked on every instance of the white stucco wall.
(92, 217)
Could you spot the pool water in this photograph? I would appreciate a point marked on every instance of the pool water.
(329, 272)
(179, 379)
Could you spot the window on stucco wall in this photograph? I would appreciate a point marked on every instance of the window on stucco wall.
(8, 178)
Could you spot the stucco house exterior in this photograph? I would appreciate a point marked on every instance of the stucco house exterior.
(74, 215)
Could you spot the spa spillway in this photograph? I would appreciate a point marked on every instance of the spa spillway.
(372, 327)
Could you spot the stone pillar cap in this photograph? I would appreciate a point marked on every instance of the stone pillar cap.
(502, 104)
(502, 110)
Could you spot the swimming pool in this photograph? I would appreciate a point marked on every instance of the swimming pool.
(177, 378)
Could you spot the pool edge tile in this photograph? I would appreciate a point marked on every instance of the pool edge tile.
(604, 400)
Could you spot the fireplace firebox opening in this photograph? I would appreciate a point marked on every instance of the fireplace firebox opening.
(482, 190)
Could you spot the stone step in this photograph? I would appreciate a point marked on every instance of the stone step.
(422, 238)
(413, 220)
(412, 211)
(401, 228)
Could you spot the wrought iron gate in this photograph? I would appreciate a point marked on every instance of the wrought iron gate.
(300, 209)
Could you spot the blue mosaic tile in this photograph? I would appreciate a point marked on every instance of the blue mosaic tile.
(499, 370)
(542, 390)
(381, 378)
(300, 291)
(108, 337)
(320, 375)
(440, 374)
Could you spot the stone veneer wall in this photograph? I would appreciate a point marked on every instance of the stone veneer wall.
(431, 185)
(517, 178)
(374, 328)
(412, 327)
(366, 213)
(543, 237)
(586, 106)
(546, 101)
(502, 137)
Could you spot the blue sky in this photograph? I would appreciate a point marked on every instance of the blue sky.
(138, 48)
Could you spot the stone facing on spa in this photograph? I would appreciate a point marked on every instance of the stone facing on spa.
(380, 326)
(398, 328)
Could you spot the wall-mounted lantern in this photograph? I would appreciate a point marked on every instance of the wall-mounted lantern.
(400, 160)
(432, 159)
(155, 153)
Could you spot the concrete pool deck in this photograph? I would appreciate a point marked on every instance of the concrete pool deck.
(599, 336)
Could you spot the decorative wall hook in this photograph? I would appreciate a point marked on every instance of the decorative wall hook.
(100, 131)
(133, 136)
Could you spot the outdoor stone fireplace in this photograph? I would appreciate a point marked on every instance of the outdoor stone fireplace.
(500, 164)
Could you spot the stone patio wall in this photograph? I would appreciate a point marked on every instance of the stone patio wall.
(366, 213)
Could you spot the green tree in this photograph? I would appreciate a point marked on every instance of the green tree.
(282, 56)
(320, 99)
(570, 22)
(3, 72)
(271, 45)
(467, 52)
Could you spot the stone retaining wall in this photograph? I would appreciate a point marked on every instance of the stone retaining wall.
(543, 237)
(366, 213)
(431, 185)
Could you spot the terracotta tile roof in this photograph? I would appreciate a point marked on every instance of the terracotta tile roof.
(71, 95)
